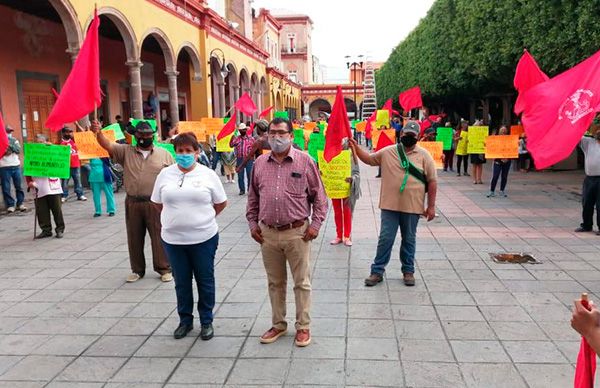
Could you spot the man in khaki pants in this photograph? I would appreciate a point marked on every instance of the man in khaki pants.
(285, 186)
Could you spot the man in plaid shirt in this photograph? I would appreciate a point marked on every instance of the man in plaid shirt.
(243, 147)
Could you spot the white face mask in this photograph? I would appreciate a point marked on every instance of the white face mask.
(279, 145)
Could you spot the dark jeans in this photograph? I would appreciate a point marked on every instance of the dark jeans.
(459, 160)
(215, 158)
(390, 220)
(76, 175)
(46, 204)
(523, 161)
(590, 197)
(197, 260)
(448, 159)
(248, 171)
(500, 168)
(8, 174)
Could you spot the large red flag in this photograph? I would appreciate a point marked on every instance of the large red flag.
(585, 369)
(388, 106)
(265, 112)
(338, 127)
(245, 105)
(81, 92)
(228, 128)
(527, 75)
(556, 113)
(3, 137)
(411, 98)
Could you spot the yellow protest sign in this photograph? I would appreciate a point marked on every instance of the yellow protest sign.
(436, 150)
(376, 134)
(502, 147)
(213, 125)
(382, 118)
(223, 144)
(198, 128)
(517, 130)
(477, 136)
(334, 174)
(88, 146)
(360, 126)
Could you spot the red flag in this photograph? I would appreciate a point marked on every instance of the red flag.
(249, 133)
(388, 106)
(527, 75)
(245, 105)
(338, 127)
(411, 98)
(3, 137)
(384, 141)
(265, 112)
(228, 128)
(556, 113)
(585, 370)
(81, 92)
(369, 125)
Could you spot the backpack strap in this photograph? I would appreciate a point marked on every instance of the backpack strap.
(409, 168)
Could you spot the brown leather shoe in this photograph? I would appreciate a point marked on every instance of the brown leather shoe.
(302, 337)
(373, 279)
(271, 335)
(409, 279)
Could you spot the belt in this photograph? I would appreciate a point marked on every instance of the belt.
(138, 198)
(292, 225)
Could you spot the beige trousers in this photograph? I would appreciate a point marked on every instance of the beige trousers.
(278, 248)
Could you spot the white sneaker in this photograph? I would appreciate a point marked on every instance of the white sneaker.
(82, 198)
(166, 277)
(11, 209)
(21, 208)
(63, 200)
(134, 277)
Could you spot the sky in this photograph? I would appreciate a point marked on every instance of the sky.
(352, 27)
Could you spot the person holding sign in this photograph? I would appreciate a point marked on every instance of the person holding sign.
(500, 167)
(285, 210)
(191, 196)
(243, 153)
(477, 159)
(407, 174)
(590, 193)
(67, 139)
(462, 141)
(141, 165)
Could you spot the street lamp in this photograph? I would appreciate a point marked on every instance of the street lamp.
(353, 65)
(224, 71)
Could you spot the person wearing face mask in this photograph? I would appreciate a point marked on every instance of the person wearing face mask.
(286, 207)
(242, 145)
(407, 175)
(10, 170)
(67, 139)
(590, 195)
(191, 196)
(141, 165)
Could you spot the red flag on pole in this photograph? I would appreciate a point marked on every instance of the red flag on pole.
(527, 75)
(265, 112)
(338, 127)
(369, 125)
(228, 128)
(245, 105)
(81, 92)
(384, 141)
(585, 370)
(556, 113)
(388, 106)
(411, 98)
(3, 137)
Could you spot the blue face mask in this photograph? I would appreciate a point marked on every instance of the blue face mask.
(185, 160)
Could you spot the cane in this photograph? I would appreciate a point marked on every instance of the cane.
(34, 212)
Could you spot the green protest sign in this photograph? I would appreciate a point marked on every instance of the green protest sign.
(167, 146)
(117, 129)
(445, 136)
(316, 143)
(282, 114)
(299, 138)
(46, 160)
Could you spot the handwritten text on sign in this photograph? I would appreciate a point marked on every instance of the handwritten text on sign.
(88, 146)
(502, 147)
(198, 128)
(45, 160)
(477, 136)
(436, 150)
(334, 174)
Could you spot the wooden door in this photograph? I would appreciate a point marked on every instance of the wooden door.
(38, 100)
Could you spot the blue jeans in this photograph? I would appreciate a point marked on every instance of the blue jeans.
(390, 220)
(247, 170)
(6, 175)
(215, 158)
(76, 175)
(197, 260)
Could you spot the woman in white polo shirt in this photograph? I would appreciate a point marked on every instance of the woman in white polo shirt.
(191, 196)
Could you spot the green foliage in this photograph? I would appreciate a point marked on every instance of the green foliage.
(469, 48)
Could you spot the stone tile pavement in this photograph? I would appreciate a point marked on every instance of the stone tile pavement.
(68, 319)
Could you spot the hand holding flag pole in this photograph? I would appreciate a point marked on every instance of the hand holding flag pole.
(585, 370)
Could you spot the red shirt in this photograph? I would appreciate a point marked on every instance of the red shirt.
(242, 144)
(74, 153)
(280, 194)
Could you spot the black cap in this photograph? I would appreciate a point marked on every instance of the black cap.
(143, 127)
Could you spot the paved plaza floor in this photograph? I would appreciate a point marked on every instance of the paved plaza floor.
(68, 319)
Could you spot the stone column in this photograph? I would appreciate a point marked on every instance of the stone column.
(135, 89)
(173, 96)
(221, 86)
